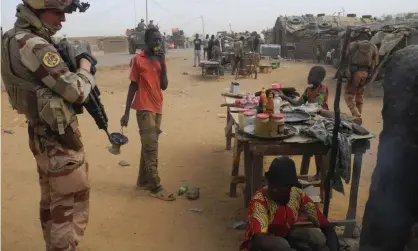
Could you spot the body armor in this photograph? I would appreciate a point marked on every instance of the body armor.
(21, 91)
(29, 96)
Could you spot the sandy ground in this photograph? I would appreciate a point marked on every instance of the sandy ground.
(191, 151)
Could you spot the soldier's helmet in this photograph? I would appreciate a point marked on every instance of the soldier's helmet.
(61, 5)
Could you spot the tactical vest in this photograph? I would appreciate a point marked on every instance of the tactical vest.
(21, 92)
(29, 96)
(362, 54)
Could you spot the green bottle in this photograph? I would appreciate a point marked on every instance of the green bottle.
(183, 189)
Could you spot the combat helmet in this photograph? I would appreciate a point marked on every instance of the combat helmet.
(67, 6)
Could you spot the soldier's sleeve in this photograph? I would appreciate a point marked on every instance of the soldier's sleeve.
(44, 61)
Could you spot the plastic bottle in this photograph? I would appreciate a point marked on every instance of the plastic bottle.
(270, 104)
(263, 99)
(277, 103)
(183, 189)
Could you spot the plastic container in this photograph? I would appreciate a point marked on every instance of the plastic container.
(276, 86)
(241, 118)
(278, 122)
(249, 118)
(262, 125)
(235, 87)
(277, 103)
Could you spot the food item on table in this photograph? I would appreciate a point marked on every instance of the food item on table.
(287, 91)
(262, 125)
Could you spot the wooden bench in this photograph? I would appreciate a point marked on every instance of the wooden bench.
(265, 68)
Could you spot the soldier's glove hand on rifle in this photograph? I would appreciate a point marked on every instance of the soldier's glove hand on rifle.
(85, 64)
(87, 57)
(124, 120)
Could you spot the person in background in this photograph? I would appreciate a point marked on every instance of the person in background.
(197, 42)
(220, 42)
(217, 55)
(275, 209)
(216, 52)
(362, 56)
(205, 46)
(256, 43)
(151, 25)
(238, 54)
(316, 92)
(141, 26)
(148, 79)
(318, 53)
(328, 58)
(210, 45)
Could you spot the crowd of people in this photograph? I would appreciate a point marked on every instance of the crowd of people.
(33, 63)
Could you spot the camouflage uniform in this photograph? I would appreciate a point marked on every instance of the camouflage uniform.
(149, 124)
(40, 85)
(354, 90)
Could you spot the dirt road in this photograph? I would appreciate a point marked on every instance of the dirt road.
(191, 151)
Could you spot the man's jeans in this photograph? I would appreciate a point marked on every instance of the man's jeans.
(197, 57)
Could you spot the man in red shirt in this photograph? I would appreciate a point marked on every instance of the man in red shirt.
(148, 79)
(275, 209)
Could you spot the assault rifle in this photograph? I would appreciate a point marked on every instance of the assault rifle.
(71, 52)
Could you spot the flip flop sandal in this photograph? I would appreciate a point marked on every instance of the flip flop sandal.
(163, 195)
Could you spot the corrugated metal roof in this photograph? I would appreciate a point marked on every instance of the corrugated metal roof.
(309, 25)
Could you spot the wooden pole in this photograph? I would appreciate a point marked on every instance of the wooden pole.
(334, 147)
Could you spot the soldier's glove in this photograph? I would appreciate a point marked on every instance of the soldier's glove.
(90, 58)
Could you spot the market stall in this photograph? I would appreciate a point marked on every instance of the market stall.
(297, 138)
(210, 68)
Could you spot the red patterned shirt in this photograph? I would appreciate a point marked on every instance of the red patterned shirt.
(266, 216)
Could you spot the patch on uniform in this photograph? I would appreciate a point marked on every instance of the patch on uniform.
(51, 59)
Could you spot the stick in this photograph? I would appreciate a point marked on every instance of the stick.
(334, 147)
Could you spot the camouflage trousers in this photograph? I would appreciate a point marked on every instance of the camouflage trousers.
(63, 177)
(354, 91)
(149, 129)
(301, 239)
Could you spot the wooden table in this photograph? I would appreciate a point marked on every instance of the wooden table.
(209, 66)
(255, 150)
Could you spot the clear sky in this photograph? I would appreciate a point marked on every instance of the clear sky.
(113, 17)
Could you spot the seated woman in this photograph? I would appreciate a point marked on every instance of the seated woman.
(316, 92)
(275, 209)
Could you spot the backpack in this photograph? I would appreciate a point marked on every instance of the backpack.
(362, 53)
